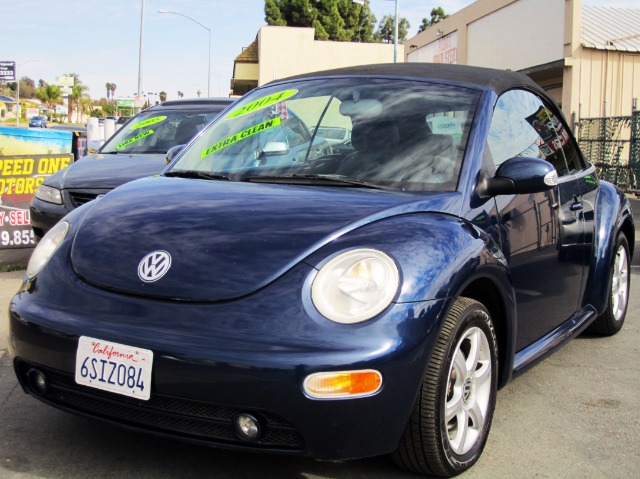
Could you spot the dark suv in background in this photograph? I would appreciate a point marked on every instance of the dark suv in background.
(136, 150)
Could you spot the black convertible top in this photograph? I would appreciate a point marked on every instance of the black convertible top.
(497, 80)
(187, 103)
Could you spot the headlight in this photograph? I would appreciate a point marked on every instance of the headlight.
(49, 194)
(355, 286)
(46, 247)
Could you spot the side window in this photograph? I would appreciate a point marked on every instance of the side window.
(523, 125)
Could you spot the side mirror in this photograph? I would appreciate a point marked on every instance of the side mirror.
(172, 153)
(521, 175)
(273, 148)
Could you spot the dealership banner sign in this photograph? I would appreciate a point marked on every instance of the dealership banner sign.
(20, 177)
(7, 71)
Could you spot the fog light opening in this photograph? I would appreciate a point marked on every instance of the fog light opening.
(248, 427)
(38, 381)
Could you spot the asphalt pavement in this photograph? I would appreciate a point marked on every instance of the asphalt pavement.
(575, 415)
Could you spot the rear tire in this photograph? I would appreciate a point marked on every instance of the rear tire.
(452, 416)
(611, 321)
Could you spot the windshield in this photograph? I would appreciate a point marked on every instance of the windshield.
(390, 133)
(157, 131)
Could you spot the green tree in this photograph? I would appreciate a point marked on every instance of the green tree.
(387, 27)
(27, 88)
(360, 20)
(49, 95)
(272, 13)
(109, 110)
(8, 87)
(106, 107)
(5, 89)
(301, 13)
(437, 15)
(337, 20)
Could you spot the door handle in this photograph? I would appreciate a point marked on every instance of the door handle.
(576, 205)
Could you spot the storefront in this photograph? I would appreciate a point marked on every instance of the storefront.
(586, 58)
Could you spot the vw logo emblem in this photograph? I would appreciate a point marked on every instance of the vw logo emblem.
(154, 266)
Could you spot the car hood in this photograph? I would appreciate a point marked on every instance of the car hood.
(107, 171)
(226, 239)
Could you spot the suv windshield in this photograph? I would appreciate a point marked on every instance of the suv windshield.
(388, 133)
(157, 131)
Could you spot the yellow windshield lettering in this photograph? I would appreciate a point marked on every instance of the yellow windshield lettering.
(230, 140)
(148, 122)
(126, 143)
(261, 103)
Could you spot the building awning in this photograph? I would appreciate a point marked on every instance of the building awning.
(7, 99)
(608, 28)
(249, 54)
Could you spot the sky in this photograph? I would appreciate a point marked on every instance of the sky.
(100, 39)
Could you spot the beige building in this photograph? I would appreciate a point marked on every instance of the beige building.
(279, 52)
(7, 108)
(587, 58)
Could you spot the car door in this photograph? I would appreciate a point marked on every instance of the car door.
(542, 234)
(582, 201)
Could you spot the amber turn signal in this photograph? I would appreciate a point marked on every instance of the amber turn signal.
(343, 384)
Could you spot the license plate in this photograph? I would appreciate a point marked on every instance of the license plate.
(114, 367)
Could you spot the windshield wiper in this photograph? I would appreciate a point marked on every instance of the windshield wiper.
(196, 174)
(322, 180)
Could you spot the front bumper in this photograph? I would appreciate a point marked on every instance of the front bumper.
(213, 361)
(45, 215)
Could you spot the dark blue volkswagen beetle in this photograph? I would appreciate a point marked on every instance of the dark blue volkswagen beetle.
(365, 299)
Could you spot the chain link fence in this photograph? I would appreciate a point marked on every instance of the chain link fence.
(612, 144)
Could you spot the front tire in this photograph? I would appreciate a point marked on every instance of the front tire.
(611, 321)
(452, 416)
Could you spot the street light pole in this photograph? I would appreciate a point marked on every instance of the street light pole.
(140, 51)
(395, 35)
(209, 67)
(208, 30)
(18, 109)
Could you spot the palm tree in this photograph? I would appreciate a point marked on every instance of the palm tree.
(49, 94)
(84, 106)
(108, 87)
(180, 94)
(113, 90)
(77, 91)
(163, 96)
